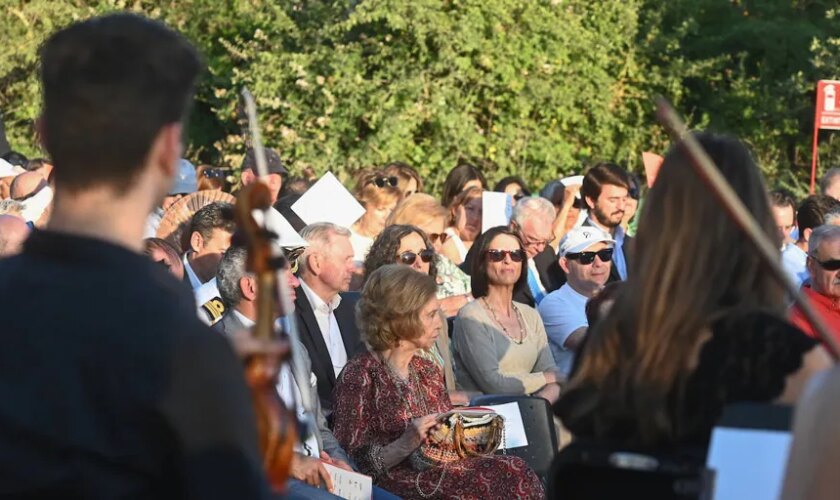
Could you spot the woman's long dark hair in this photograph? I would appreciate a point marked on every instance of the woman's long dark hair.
(692, 266)
(478, 279)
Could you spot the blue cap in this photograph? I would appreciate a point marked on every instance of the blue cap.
(185, 181)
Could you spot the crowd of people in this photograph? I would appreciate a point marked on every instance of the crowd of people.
(637, 312)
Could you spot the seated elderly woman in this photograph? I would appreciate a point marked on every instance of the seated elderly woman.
(408, 245)
(500, 346)
(389, 399)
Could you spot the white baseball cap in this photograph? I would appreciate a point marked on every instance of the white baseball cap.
(580, 238)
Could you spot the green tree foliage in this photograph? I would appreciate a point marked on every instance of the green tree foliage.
(534, 87)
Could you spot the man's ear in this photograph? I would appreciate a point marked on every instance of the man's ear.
(247, 288)
(590, 203)
(806, 234)
(564, 264)
(248, 176)
(166, 149)
(196, 242)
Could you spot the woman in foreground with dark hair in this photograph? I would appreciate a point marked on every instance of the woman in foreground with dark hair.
(698, 325)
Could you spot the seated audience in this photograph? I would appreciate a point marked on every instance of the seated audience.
(500, 345)
(823, 289)
(409, 181)
(424, 212)
(810, 214)
(464, 224)
(458, 180)
(325, 314)
(634, 194)
(379, 195)
(238, 289)
(389, 399)
(164, 253)
(691, 331)
(585, 256)
(408, 245)
(13, 232)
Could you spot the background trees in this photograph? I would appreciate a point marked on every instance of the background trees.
(537, 87)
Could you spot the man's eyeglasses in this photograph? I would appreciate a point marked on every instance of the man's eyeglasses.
(381, 182)
(433, 237)
(496, 255)
(828, 265)
(586, 258)
(408, 258)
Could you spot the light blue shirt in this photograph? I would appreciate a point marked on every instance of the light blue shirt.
(794, 263)
(563, 311)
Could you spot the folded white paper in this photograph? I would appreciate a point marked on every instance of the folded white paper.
(350, 485)
(748, 463)
(328, 201)
(496, 209)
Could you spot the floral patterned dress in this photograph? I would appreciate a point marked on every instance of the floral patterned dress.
(373, 409)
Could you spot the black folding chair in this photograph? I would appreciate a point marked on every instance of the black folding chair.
(539, 429)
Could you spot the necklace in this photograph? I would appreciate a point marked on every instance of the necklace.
(519, 321)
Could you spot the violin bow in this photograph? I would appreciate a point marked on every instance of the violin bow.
(720, 188)
(287, 319)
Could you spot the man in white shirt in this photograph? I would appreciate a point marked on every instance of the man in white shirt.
(586, 257)
(326, 315)
(210, 231)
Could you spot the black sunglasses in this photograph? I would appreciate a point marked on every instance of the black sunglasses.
(408, 258)
(496, 255)
(589, 257)
(433, 237)
(385, 181)
(828, 265)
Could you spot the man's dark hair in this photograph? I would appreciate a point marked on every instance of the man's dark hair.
(811, 212)
(15, 158)
(110, 84)
(217, 215)
(782, 198)
(600, 175)
(478, 276)
(36, 163)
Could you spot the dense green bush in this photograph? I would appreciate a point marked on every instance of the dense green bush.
(534, 87)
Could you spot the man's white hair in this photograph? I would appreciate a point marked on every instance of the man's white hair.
(826, 232)
(529, 208)
(319, 235)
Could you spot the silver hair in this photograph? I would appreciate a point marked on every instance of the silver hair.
(822, 233)
(319, 236)
(230, 273)
(529, 208)
(11, 207)
(832, 217)
(828, 179)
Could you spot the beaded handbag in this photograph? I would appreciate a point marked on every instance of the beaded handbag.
(462, 433)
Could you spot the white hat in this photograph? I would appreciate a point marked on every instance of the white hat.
(580, 238)
(7, 169)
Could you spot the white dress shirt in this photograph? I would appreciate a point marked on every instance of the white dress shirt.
(325, 316)
(289, 392)
(194, 281)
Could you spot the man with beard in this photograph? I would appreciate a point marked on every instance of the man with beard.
(605, 189)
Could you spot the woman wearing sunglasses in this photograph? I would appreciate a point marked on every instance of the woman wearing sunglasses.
(500, 346)
(379, 194)
(409, 246)
(426, 213)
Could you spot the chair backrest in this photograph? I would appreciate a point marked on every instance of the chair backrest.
(595, 471)
(539, 429)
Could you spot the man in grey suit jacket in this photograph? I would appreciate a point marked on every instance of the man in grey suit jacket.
(238, 291)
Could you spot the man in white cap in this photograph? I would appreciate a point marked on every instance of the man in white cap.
(185, 183)
(586, 257)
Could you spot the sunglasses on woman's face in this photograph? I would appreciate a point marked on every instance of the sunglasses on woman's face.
(828, 265)
(433, 237)
(408, 258)
(589, 257)
(496, 255)
(385, 181)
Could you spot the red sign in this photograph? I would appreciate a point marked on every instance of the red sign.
(828, 104)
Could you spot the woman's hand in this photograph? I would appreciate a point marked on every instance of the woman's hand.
(311, 471)
(459, 398)
(418, 429)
